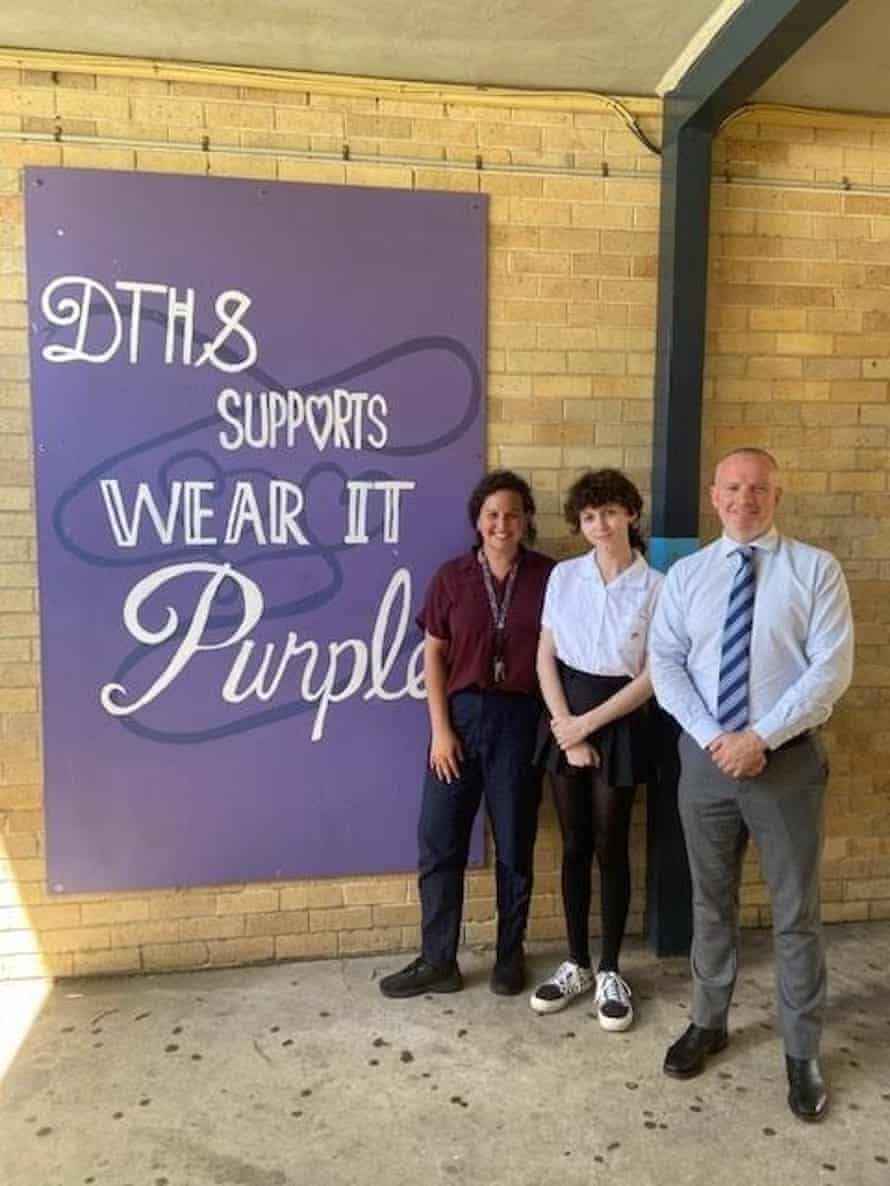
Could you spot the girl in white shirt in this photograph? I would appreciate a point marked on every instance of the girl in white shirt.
(592, 669)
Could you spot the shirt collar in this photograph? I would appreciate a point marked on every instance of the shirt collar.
(469, 561)
(768, 542)
(633, 575)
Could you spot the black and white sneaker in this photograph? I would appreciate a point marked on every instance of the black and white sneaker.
(569, 980)
(613, 1008)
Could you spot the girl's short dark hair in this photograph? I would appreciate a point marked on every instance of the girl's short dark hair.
(503, 479)
(596, 488)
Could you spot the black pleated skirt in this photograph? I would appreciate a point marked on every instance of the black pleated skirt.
(623, 745)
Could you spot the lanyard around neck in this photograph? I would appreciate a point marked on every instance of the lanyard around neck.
(498, 612)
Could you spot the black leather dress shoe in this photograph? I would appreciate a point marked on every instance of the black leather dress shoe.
(807, 1096)
(508, 976)
(688, 1054)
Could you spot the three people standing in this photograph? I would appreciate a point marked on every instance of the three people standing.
(750, 647)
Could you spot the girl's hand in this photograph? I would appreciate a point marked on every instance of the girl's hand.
(446, 756)
(582, 755)
(569, 731)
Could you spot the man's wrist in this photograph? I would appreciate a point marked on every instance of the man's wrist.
(706, 734)
(755, 736)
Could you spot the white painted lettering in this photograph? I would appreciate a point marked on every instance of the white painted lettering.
(191, 642)
(125, 528)
(231, 324)
(243, 512)
(90, 298)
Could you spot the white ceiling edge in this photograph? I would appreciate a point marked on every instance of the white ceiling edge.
(696, 46)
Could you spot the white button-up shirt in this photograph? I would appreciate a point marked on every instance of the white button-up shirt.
(597, 627)
(801, 658)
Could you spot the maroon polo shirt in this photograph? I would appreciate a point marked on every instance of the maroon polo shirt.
(456, 609)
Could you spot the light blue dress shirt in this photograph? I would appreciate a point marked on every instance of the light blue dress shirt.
(801, 657)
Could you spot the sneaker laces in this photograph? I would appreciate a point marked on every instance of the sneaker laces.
(613, 989)
(568, 979)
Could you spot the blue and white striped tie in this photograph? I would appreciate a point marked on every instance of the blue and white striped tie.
(732, 688)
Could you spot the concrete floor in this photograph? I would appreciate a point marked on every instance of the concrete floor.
(303, 1075)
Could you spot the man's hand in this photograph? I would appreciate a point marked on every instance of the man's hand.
(739, 755)
(569, 731)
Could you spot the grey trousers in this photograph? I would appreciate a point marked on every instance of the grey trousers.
(783, 810)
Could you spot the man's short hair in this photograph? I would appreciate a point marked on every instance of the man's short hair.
(753, 450)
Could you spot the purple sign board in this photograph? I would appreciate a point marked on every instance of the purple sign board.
(257, 417)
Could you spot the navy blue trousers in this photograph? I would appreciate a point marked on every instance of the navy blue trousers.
(497, 733)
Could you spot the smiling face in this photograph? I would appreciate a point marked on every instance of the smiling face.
(607, 526)
(502, 523)
(745, 495)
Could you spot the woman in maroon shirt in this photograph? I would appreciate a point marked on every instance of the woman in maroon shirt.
(480, 618)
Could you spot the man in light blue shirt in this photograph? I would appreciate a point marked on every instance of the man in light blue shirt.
(751, 646)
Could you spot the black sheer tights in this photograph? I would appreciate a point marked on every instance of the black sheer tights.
(594, 818)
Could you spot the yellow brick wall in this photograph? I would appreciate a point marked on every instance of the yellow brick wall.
(571, 338)
(798, 362)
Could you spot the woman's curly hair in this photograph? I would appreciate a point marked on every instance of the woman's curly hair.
(596, 488)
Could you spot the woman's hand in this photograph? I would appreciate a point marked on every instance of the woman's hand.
(446, 755)
(582, 755)
(569, 731)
